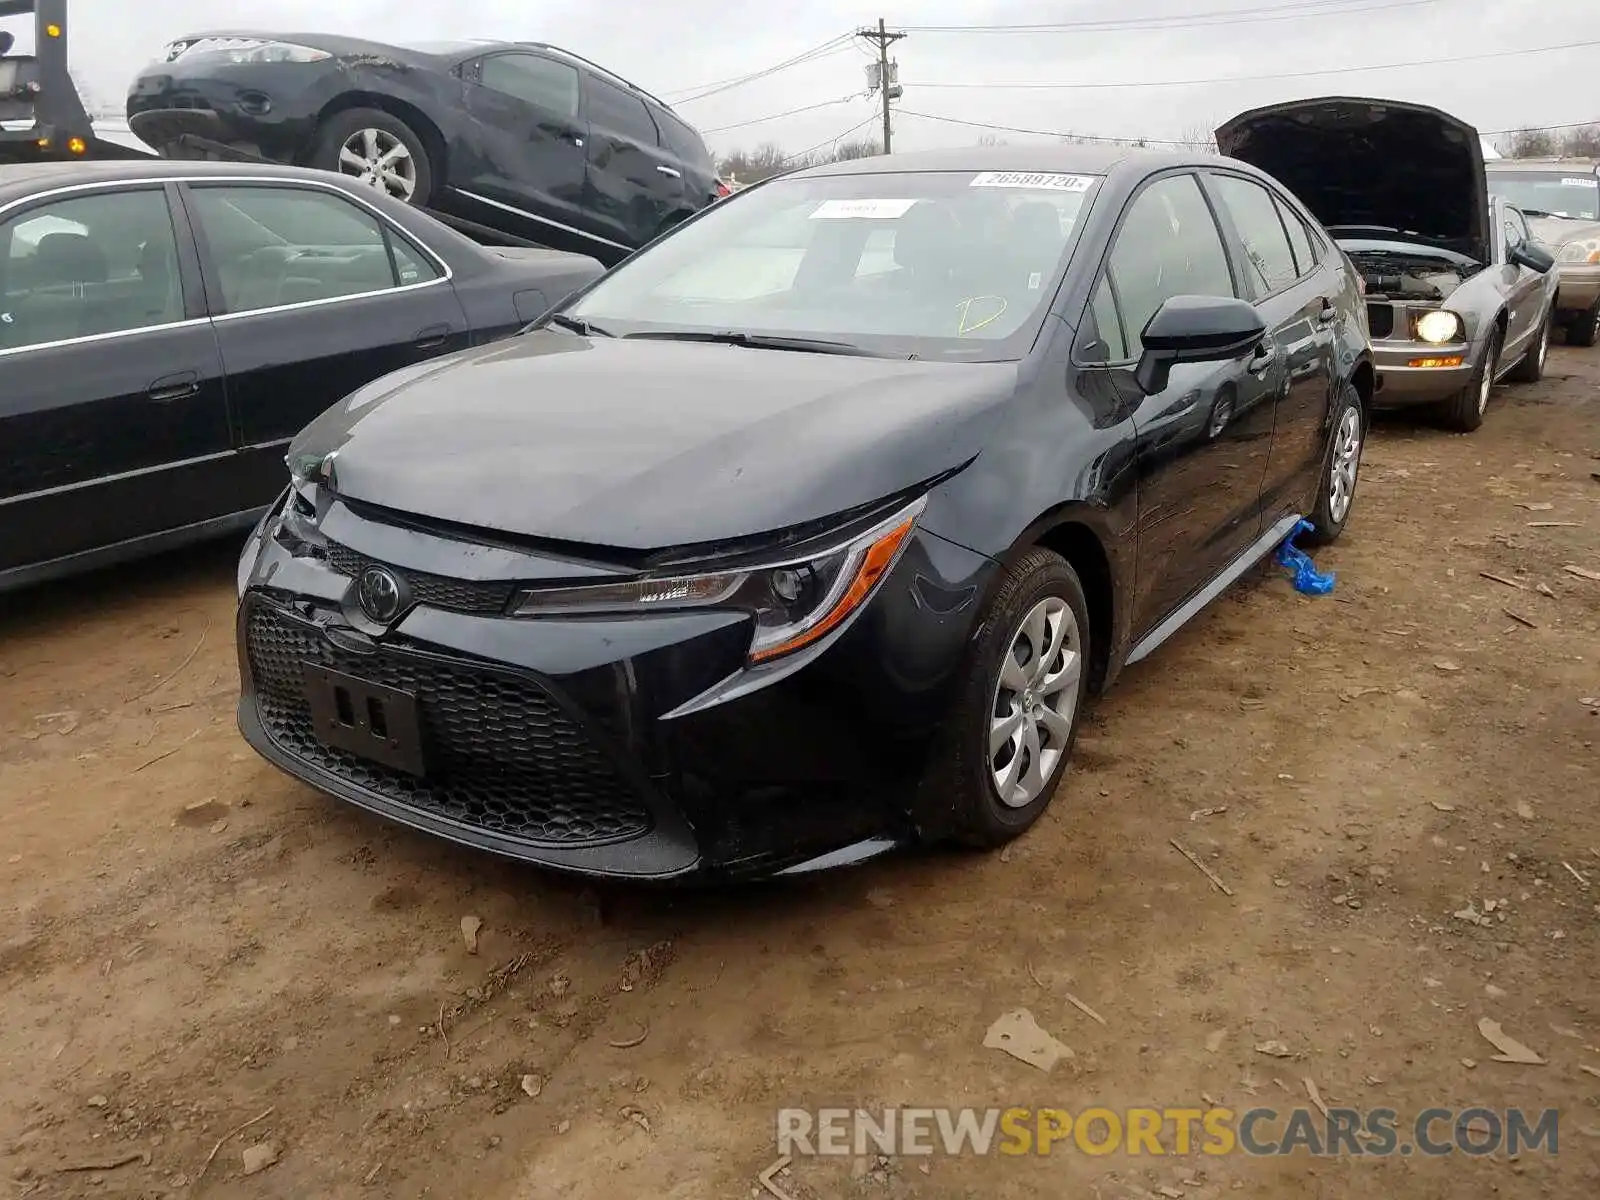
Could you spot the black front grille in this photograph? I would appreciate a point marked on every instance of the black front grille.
(1380, 318)
(436, 591)
(504, 756)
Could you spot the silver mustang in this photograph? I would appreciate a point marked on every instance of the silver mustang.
(1459, 292)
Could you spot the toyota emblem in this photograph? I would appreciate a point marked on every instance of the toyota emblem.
(380, 594)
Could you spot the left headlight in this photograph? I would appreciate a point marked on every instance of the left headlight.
(1439, 326)
(796, 602)
(1586, 250)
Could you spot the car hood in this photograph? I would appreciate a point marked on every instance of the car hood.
(1355, 161)
(649, 445)
(1556, 232)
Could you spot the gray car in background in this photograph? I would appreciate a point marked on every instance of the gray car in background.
(1459, 293)
(1561, 198)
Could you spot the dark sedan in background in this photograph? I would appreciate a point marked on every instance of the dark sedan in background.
(166, 328)
(521, 137)
(806, 531)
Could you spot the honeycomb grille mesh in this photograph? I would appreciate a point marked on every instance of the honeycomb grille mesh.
(504, 757)
(436, 591)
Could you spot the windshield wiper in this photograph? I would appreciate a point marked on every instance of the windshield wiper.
(757, 341)
(577, 325)
(1536, 212)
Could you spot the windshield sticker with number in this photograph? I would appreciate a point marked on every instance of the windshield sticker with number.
(1045, 180)
(1573, 182)
(846, 209)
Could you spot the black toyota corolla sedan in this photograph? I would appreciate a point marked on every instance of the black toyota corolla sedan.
(807, 531)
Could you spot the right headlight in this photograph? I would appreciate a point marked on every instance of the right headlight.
(1439, 326)
(1585, 250)
(796, 602)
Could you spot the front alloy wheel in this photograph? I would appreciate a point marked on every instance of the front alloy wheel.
(1035, 700)
(380, 160)
(1012, 724)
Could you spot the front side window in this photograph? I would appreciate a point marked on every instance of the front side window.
(1168, 245)
(533, 79)
(620, 112)
(1552, 193)
(272, 246)
(88, 266)
(1268, 258)
(942, 264)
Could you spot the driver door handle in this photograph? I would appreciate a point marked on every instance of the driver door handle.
(671, 171)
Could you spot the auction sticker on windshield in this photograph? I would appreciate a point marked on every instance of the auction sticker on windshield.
(1583, 183)
(1047, 180)
(844, 209)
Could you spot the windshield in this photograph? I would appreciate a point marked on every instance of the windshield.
(956, 265)
(1570, 194)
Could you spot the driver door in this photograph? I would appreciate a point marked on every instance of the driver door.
(1523, 287)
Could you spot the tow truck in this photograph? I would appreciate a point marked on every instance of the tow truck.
(42, 117)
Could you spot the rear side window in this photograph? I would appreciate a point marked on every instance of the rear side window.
(88, 266)
(1305, 255)
(272, 246)
(619, 113)
(541, 82)
(682, 140)
(1269, 261)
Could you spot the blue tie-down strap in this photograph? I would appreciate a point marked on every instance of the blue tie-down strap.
(1307, 579)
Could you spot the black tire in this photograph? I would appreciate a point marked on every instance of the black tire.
(1325, 527)
(961, 785)
(344, 125)
(1584, 329)
(1464, 411)
(1531, 368)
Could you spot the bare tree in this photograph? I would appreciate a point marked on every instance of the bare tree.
(1583, 142)
(848, 151)
(1531, 143)
(991, 139)
(752, 166)
(1198, 137)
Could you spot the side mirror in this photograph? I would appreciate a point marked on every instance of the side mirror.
(1195, 329)
(7, 40)
(1532, 257)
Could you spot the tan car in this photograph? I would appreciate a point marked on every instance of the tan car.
(1561, 199)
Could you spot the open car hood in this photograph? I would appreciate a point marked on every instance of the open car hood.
(1355, 161)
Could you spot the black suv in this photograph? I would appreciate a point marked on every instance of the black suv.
(519, 137)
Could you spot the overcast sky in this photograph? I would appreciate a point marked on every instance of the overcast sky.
(671, 47)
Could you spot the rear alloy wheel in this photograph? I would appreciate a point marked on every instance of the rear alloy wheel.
(1012, 730)
(378, 149)
(1584, 329)
(1531, 368)
(1464, 411)
(1336, 493)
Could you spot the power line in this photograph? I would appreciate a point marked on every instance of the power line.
(1233, 16)
(838, 137)
(1152, 141)
(1392, 66)
(833, 45)
(1054, 133)
(786, 113)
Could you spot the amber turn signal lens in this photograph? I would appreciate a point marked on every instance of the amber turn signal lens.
(1447, 361)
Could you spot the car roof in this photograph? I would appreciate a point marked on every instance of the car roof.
(20, 180)
(1065, 159)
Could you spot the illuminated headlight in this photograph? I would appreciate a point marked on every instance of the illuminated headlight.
(795, 602)
(247, 50)
(1586, 250)
(1439, 327)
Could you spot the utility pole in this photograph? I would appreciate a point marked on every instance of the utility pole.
(888, 74)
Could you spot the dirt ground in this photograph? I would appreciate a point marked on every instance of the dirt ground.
(192, 941)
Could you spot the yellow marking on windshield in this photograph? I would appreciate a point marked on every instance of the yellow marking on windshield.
(965, 306)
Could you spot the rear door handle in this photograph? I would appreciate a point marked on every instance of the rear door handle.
(672, 172)
(431, 337)
(174, 387)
